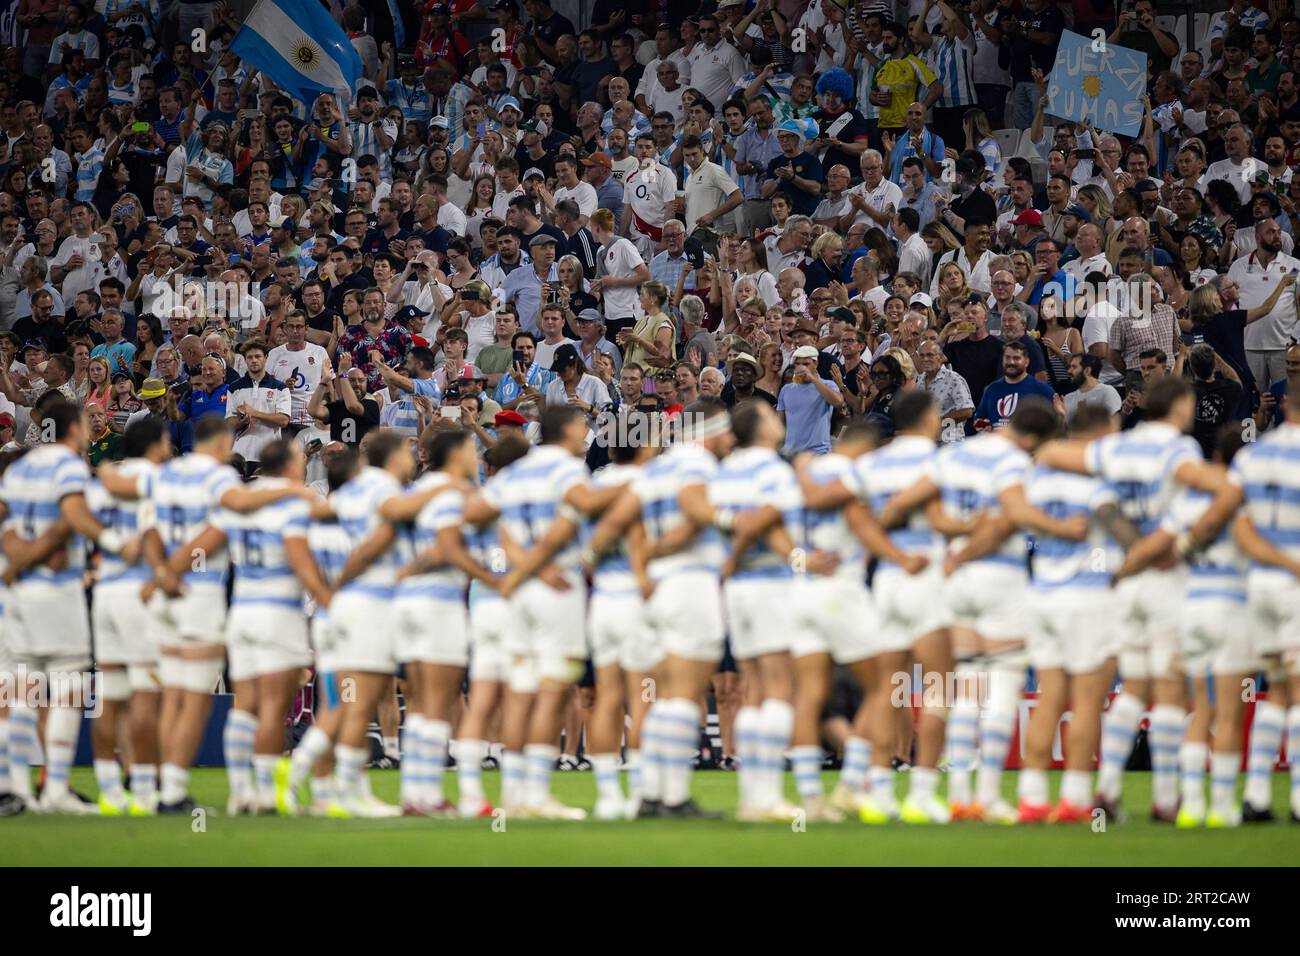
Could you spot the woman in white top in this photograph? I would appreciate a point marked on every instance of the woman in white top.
(752, 262)
(1196, 258)
(471, 310)
(479, 207)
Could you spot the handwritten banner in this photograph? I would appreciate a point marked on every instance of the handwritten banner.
(1100, 82)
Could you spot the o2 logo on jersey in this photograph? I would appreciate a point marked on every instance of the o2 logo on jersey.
(1007, 405)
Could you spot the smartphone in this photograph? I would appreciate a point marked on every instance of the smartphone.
(552, 297)
(480, 130)
(450, 411)
(519, 358)
(1085, 153)
(127, 210)
(250, 114)
(140, 127)
(315, 443)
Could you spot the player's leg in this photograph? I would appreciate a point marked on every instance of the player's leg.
(485, 697)
(313, 756)
(776, 673)
(275, 693)
(727, 697)
(812, 674)
(412, 775)
(962, 729)
(67, 681)
(1293, 734)
(1168, 715)
(933, 652)
(1053, 693)
(351, 752)
(114, 690)
(237, 741)
(388, 715)
(1193, 755)
(1088, 691)
(604, 736)
(856, 766)
(1005, 670)
(675, 721)
(144, 712)
(1120, 724)
(194, 672)
(555, 686)
(1266, 729)
(444, 683)
(515, 716)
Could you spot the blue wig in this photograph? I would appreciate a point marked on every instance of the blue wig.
(836, 81)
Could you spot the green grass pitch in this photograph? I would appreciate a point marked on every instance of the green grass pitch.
(166, 841)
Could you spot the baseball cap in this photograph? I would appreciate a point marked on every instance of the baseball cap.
(541, 239)
(439, 8)
(509, 418)
(842, 314)
(565, 356)
(504, 5)
(534, 126)
(282, 222)
(35, 343)
(409, 312)
(807, 326)
(1261, 176)
(921, 298)
(6, 420)
(1079, 212)
(805, 352)
(791, 127)
(1030, 217)
(153, 388)
(748, 360)
(440, 122)
(599, 159)
(471, 374)
(590, 315)
(533, 171)
(118, 376)
(511, 102)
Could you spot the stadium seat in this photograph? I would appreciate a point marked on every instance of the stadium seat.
(1008, 141)
(1026, 147)
(1167, 23)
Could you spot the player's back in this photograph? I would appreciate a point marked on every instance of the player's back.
(972, 475)
(126, 516)
(748, 479)
(33, 489)
(1062, 562)
(1140, 466)
(529, 494)
(356, 505)
(256, 544)
(187, 494)
(613, 571)
(827, 530)
(1268, 472)
(879, 475)
(445, 509)
(658, 488)
(1217, 571)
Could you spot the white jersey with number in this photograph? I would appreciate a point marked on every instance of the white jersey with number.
(187, 494)
(256, 544)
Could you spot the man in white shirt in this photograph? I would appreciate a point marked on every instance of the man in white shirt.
(716, 65)
(710, 192)
(1238, 168)
(569, 185)
(551, 322)
(450, 217)
(649, 200)
(260, 404)
(790, 249)
(76, 267)
(913, 254)
(874, 200)
(973, 257)
(666, 46)
(297, 363)
(620, 271)
(1092, 257)
(1257, 276)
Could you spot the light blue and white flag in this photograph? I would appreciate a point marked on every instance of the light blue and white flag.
(297, 44)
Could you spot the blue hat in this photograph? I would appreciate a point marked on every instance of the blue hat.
(510, 101)
(409, 312)
(1078, 212)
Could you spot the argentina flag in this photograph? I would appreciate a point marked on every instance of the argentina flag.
(297, 44)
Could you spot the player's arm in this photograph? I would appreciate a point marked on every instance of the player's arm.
(948, 525)
(900, 506)
(862, 522)
(700, 514)
(638, 555)
(208, 541)
(1112, 521)
(1214, 520)
(300, 560)
(1202, 475)
(529, 562)
(753, 526)
(117, 484)
(402, 509)
(379, 541)
(1259, 549)
(590, 501)
(478, 510)
(618, 519)
(1064, 455)
(1155, 548)
(1016, 507)
(823, 497)
(244, 499)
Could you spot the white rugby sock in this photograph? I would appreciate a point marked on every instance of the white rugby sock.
(144, 783)
(996, 724)
(1032, 786)
(322, 789)
(541, 764)
(605, 768)
(469, 770)
(237, 744)
(633, 767)
(392, 747)
(22, 749)
(748, 729)
(264, 779)
(5, 785)
(514, 778)
(778, 725)
(922, 784)
(1076, 787)
(1192, 756)
(1265, 744)
(1223, 781)
(62, 728)
(175, 783)
(349, 772)
(108, 775)
(412, 760)
(1165, 733)
(1119, 726)
(651, 776)
(857, 761)
(315, 743)
(1293, 749)
(962, 730)
(436, 734)
(681, 727)
(807, 764)
(882, 785)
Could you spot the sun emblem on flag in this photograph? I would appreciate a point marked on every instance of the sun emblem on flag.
(1092, 86)
(305, 53)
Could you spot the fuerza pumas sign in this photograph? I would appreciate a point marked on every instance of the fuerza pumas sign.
(1100, 82)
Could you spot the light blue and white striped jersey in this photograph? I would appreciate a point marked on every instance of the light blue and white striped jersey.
(528, 495)
(953, 62)
(1140, 466)
(1268, 473)
(972, 476)
(356, 504)
(1218, 571)
(255, 543)
(330, 548)
(33, 490)
(414, 101)
(661, 481)
(187, 495)
(827, 530)
(445, 510)
(613, 574)
(365, 142)
(89, 165)
(128, 517)
(1059, 562)
(866, 74)
(879, 475)
(402, 414)
(484, 546)
(748, 479)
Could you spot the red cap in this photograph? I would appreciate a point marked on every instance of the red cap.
(1030, 217)
(419, 341)
(509, 418)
